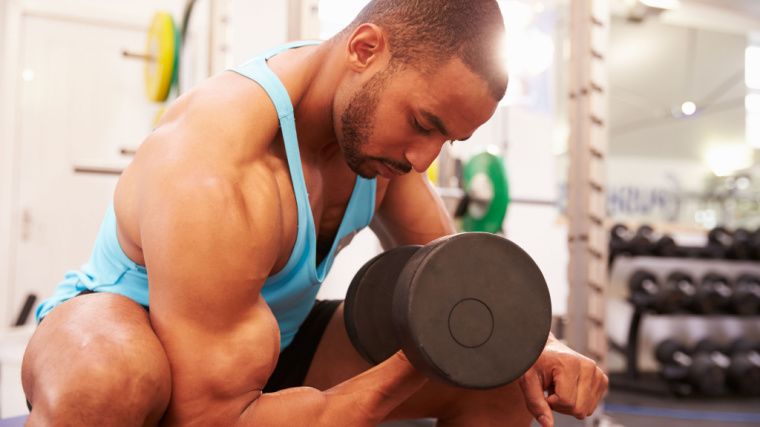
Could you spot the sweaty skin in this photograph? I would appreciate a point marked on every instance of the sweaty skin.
(207, 206)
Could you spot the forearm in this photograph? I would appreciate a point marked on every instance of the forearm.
(364, 400)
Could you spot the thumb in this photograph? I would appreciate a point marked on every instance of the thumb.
(533, 390)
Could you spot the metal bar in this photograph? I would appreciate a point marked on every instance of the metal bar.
(128, 151)
(143, 56)
(632, 348)
(103, 170)
(534, 202)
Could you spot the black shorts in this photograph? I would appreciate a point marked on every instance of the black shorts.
(295, 360)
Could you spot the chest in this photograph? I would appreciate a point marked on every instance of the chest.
(330, 186)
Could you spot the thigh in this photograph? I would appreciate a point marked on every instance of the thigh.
(336, 361)
(97, 347)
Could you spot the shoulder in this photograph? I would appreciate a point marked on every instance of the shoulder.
(227, 112)
(204, 215)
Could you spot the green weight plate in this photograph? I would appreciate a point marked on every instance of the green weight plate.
(486, 181)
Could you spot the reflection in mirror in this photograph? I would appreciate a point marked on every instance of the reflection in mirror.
(681, 151)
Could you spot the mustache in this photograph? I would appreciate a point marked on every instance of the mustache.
(399, 166)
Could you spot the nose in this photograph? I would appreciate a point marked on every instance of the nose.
(422, 154)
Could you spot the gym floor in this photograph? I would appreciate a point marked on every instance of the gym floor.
(630, 409)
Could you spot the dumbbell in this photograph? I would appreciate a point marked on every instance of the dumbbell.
(646, 241)
(670, 297)
(712, 295)
(619, 246)
(745, 298)
(641, 242)
(718, 241)
(470, 310)
(739, 247)
(644, 287)
(665, 246)
(741, 361)
(753, 245)
(695, 373)
(744, 372)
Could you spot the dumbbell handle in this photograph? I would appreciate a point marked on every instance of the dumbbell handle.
(682, 358)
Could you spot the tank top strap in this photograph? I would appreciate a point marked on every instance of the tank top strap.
(257, 70)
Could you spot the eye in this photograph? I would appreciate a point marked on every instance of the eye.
(419, 127)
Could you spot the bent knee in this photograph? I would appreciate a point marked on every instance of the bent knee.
(85, 362)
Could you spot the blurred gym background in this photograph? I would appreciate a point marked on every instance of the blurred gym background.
(623, 159)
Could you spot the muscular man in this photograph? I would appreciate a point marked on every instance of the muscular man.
(232, 211)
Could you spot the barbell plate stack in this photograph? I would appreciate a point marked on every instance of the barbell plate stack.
(368, 305)
(472, 310)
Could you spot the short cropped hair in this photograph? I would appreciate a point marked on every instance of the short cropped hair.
(428, 33)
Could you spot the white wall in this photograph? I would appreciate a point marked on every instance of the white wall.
(257, 25)
(8, 81)
(536, 227)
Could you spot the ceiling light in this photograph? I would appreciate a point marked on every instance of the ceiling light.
(688, 108)
(742, 183)
(662, 4)
(727, 159)
(752, 102)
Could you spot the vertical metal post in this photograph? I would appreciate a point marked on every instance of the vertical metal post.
(587, 238)
(753, 110)
(220, 56)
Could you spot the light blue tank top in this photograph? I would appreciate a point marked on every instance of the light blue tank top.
(291, 292)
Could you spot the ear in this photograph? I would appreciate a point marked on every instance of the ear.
(366, 46)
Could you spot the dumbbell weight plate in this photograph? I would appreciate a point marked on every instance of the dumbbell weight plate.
(472, 310)
(367, 308)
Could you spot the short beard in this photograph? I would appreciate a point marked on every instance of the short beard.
(358, 122)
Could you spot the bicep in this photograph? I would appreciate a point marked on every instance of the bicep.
(411, 212)
(207, 255)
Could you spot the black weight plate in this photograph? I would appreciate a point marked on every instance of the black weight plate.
(369, 299)
(472, 310)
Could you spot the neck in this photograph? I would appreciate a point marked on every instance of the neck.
(312, 76)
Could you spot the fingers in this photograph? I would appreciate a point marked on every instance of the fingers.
(566, 381)
(592, 387)
(532, 387)
(578, 389)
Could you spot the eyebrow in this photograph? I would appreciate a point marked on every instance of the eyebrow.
(438, 123)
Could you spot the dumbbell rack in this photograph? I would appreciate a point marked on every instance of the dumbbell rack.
(623, 268)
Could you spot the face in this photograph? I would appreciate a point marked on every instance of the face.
(399, 120)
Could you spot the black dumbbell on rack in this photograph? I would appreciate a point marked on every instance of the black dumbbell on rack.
(619, 237)
(666, 247)
(644, 242)
(691, 373)
(718, 241)
(641, 242)
(668, 297)
(745, 298)
(743, 370)
(712, 296)
(753, 245)
(739, 247)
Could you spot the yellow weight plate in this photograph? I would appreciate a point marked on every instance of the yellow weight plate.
(162, 48)
(433, 171)
(159, 114)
